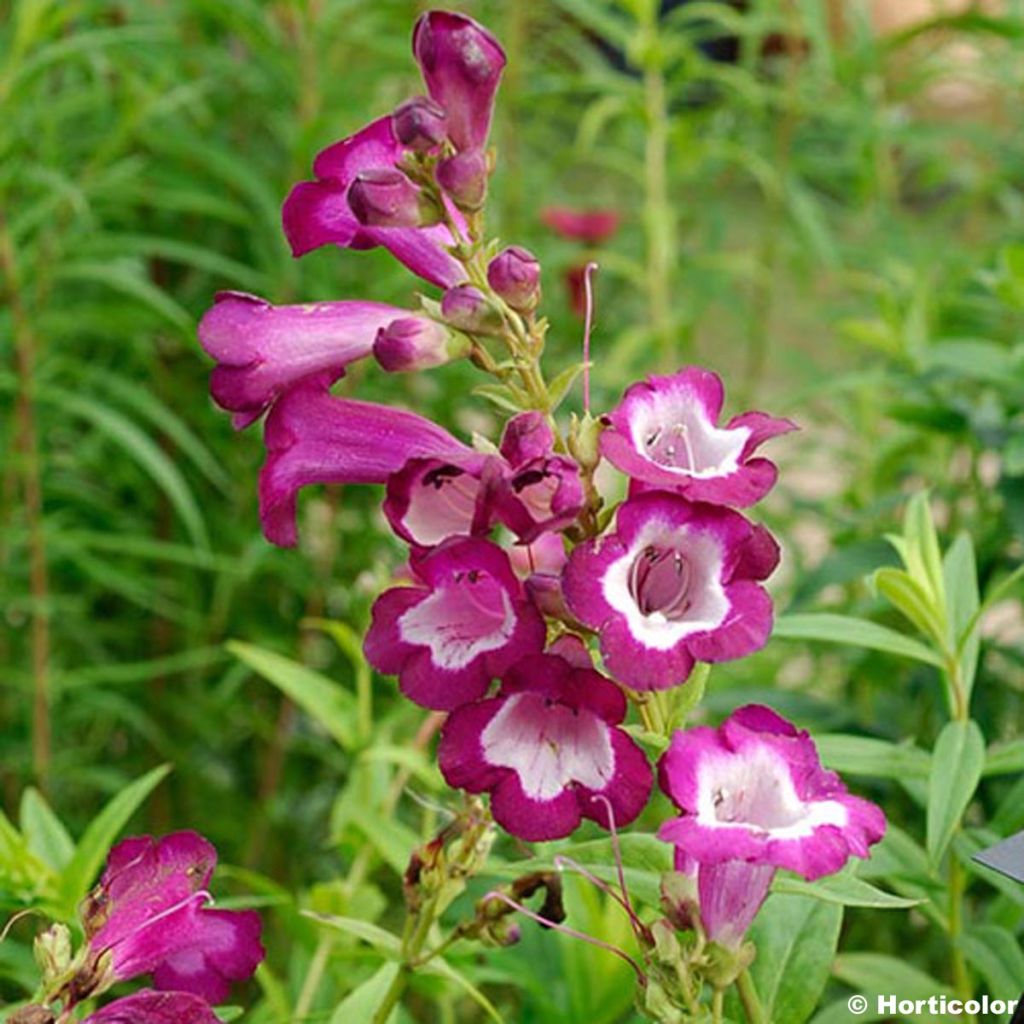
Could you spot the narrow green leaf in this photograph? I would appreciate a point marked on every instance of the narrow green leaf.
(559, 387)
(845, 890)
(363, 1002)
(93, 847)
(852, 632)
(44, 832)
(324, 700)
(442, 968)
(957, 761)
(996, 954)
(923, 541)
(874, 975)
(386, 942)
(962, 602)
(909, 597)
(874, 758)
(1005, 758)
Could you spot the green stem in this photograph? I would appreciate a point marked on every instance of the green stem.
(717, 1003)
(317, 966)
(958, 965)
(658, 213)
(749, 998)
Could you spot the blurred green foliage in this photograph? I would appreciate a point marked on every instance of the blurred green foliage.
(810, 221)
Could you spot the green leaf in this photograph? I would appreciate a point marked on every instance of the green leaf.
(364, 1001)
(386, 942)
(962, 603)
(559, 387)
(95, 844)
(844, 889)
(875, 974)
(44, 832)
(922, 545)
(324, 700)
(874, 758)
(957, 762)
(796, 939)
(995, 953)
(852, 632)
(1005, 758)
(909, 596)
(443, 969)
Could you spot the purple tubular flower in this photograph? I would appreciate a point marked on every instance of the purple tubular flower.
(415, 343)
(463, 623)
(664, 434)
(312, 437)
(420, 124)
(318, 212)
(148, 914)
(754, 790)
(149, 1007)
(461, 64)
(545, 748)
(262, 349)
(674, 584)
(536, 491)
(515, 275)
(430, 500)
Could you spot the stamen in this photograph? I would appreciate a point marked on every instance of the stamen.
(588, 292)
(571, 932)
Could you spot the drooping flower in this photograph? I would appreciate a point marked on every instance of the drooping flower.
(319, 212)
(149, 1007)
(754, 797)
(547, 748)
(461, 64)
(536, 490)
(313, 437)
(149, 914)
(674, 584)
(665, 434)
(262, 349)
(463, 623)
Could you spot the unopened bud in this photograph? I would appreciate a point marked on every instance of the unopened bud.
(416, 343)
(420, 124)
(386, 198)
(52, 950)
(464, 178)
(515, 275)
(468, 309)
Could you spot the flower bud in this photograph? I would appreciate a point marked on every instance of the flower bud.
(52, 950)
(464, 178)
(468, 309)
(515, 275)
(420, 124)
(385, 198)
(416, 343)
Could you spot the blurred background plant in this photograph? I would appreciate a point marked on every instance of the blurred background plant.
(823, 202)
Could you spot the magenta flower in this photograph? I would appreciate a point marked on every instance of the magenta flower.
(430, 500)
(674, 584)
(313, 437)
(319, 212)
(463, 623)
(262, 349)
(536, 490)
(664, 434)
(149, 1007)
(547, 748)
(416, 343)
(592, 226)
(148, 915)
(461, 64)
(754, 797)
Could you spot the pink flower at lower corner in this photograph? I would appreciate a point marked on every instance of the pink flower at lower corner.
(319, 213)
(549, 750)
(665, 434)
(462, 623)
(149, 1007)
(262, 349)
(149, 914)
(754, 790)
(675, 583)
(313, 437)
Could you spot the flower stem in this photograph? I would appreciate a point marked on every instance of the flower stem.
(752, 1008)
(958, 965)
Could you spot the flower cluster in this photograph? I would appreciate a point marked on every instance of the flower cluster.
(151, 914)
(521, 569)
